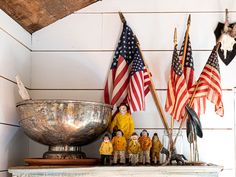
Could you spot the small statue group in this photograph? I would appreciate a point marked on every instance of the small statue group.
(137, 149)
(126, 143)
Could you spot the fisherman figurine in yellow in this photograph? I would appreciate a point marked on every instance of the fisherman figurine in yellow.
(119, 147)
(146, 144)
(134, 149)
(156, 149)
(123, 120)
(106, 150)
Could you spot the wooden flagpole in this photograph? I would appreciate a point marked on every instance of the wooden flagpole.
(122, 18)
(151, 86)
(175, 45)
(186, 40)
(183, 60)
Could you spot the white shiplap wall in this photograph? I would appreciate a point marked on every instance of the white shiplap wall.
(74, 55)
(15, 58)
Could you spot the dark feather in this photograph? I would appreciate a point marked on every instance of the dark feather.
(189, 131)
(194, 121)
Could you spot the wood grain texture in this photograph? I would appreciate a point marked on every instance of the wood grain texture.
(36, 14)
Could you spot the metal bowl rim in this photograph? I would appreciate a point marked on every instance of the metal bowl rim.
(60, 101)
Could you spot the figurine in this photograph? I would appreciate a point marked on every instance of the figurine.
(134, 149)
(179, 158)
(146, 144)
(106, 150)
(156, 149)
(119, 147)
(123, 120)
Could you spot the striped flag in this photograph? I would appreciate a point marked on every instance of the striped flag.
(177, 92)
(199, 104)
(128, 79)
(209, 86)
(188, 68)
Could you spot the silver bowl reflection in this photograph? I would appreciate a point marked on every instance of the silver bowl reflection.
(64, 125)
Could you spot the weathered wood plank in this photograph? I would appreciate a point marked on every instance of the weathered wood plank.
(36, 14)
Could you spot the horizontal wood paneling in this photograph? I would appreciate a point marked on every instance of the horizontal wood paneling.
(218, 148)
(89, 70)
(14, 59)
(94, 68)
(155, 31)
(14, 146)
(9, 97)
(72, 32)
(36, 149)
(101, 31)
(12, 28)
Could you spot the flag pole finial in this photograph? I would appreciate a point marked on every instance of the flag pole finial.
(186, 39)
(122, 18)
(189, 19)
(226, 25)
(175, 37)
(226, 15)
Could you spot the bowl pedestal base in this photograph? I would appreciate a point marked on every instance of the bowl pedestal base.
(64, 152)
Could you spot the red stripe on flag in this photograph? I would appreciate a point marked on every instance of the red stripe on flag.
(120, 92)
(120, 75)
(136, 92)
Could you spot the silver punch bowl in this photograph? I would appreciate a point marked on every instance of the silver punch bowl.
(64, 125)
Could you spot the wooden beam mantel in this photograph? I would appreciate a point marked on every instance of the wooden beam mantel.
(36, 14)
(141, 171)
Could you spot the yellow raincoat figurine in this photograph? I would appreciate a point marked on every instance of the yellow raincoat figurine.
(156, 149)
(106, 150)
(134, 149)
(124, 121)
(119, 147)
(146, 144)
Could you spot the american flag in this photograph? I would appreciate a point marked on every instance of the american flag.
(199, 104)
(209, 83)
(177, 92)
(188, 68)
(128, 78)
